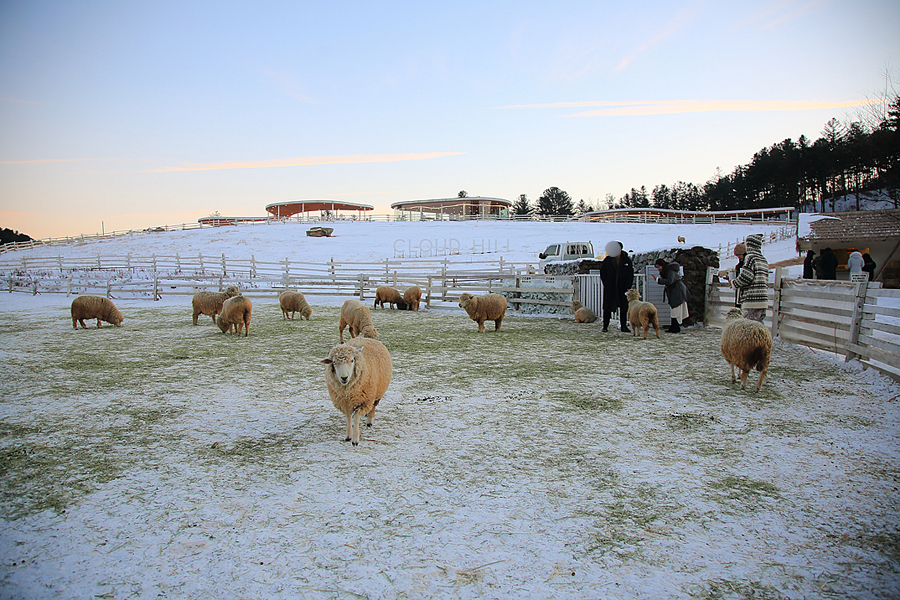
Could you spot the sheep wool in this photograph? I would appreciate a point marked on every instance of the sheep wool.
(641, 314)
(489, 307)
(95, 307)
(582, 313)
(386, 293)
(294, 302)
(356, 315)
(236, 315)
(357, 377)
(747, 345)
(412, 297)
(210, 303)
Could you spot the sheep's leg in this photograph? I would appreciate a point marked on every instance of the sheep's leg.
(497, 323)
(214, 318)
(98, 322)
(371, 417)
(355, 417)
(733, 378)
(480, 326)
(349, 428)
(196, 316)
(744, 378)
(762, 376)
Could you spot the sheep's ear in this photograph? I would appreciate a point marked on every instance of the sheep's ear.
(325, 361)
(357, 352)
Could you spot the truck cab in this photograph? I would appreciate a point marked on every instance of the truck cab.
(566, 251)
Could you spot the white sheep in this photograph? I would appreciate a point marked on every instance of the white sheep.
(210, 303)
(747, 345)
(357, 377)
(489, 307)
(236, 315)
(385, 293)
(412, 296)
(641, 314)
(95, 307)
(294, 302)
(356, 315)
(582, 313)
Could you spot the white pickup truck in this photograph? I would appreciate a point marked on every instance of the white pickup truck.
(566, 251)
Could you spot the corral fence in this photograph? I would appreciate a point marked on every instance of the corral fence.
(859, 320)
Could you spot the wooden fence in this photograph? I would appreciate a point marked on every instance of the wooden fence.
(858, 320)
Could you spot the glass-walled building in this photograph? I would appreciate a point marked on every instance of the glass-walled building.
(452, 209)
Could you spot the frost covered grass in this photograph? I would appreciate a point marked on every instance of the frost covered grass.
(545, 460)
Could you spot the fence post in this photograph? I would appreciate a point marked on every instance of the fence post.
(395, 278)
(856, 321)
(710, 279)
(252, 266)
(428, 292)
(776, 302)
(331, 263)
(109, 288)
(362, 290)
(287, 272)
(224, 270)
(156, 295)
(177, 263)
(444, 281)
(200, 258)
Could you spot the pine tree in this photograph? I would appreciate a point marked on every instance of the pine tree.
(522, 207)
(555, 202)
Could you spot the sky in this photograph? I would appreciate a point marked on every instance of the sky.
(117, 116)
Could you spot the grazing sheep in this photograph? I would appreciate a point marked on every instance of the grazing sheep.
(294, 302)
(386, 293)
(356, 315)
(412, 296)
(489, 307)
(747, 345)
(210, 303)
(357, 377)
(236, 315)
(95, 307)
(641, 314)
(582, 313)
(681, 239)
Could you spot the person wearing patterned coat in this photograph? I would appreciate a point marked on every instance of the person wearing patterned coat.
(753, 281)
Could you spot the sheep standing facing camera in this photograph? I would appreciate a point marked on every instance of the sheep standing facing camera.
(489, 307)
(747, 345)
(357, 377)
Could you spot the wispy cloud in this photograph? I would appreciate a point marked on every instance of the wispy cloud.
(40, 161)
(780, 12)
(679, 22)
(305, 161)
(671, 107)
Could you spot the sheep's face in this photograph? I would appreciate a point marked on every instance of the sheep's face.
(734, 313)
(632, 295)
(116, 318)
(231, 291)
(221, 323)
(342, 363)
(576, 305)
(465, 300)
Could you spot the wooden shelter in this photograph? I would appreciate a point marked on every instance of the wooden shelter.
(284, 210)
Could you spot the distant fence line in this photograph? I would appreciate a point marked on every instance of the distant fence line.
(857, 320)
(255, 221)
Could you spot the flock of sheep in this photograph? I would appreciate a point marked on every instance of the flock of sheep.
(359, 371)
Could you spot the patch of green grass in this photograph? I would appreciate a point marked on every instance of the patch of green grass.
(746, 492)
(582, 401)
(722, 589)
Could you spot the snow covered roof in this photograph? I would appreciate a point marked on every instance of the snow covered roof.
(849, 227)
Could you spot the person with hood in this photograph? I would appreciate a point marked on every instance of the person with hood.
(808, 270)
(869, 266)
(617, 276)
(753, 282)
(855, 263)
(828, 262)
(676, 293)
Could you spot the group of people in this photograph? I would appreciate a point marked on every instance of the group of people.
(825, 265)
(617, 275)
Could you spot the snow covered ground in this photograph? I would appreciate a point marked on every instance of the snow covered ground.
(546, 460)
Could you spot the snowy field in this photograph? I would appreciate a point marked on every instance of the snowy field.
(546, 460)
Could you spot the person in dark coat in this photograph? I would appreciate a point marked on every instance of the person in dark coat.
(828, 262)
(617, 276)
(869, 266)
(676, 293)
(808, 271)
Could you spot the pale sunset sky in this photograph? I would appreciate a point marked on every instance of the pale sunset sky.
(125, 115)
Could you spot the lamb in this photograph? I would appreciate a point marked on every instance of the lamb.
(210, 303)
(236, 315)
(356, 315)
(386, 293)
(412, 296)
(582, 313)
(489, 307)
(357, 377)
(681, 239)
(641, 314)
(95, 307)
(746, 344)
(294, 302)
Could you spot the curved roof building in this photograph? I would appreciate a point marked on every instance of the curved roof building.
(287, 209)
(473, 206)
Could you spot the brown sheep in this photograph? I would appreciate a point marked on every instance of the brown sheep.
(358, 375)
(489, 307)
(236, 315)
(294, 302)
(681, 239)
(210, 303)
(356, 315)
(95, 307)
(582, 313)
(386, 293)
(641, 314)
(747, 345)
(412, 297)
